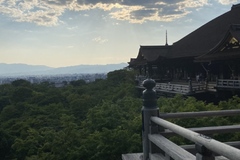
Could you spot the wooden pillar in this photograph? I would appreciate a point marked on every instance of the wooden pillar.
(190, 85)
(203, 153)
(150, 70)
(206, 83)
(145, 70)
(149, 109)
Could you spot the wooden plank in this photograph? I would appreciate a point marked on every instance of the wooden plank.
(170, 148)
(221, 158)
(132, 156)
(208, 130)
(157, 157)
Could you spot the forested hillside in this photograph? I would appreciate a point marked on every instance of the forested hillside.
(84, 121)
(99, 120)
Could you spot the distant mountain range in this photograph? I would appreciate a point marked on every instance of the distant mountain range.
(24, 69)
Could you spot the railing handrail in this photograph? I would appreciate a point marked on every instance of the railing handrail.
(228, 83)
(211, 144)
(200, 114)
(233, 80)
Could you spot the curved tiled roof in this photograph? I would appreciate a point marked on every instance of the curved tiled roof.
(206, 37)
(153, 53)
(223, 50)
(196, 44)
(137, 62)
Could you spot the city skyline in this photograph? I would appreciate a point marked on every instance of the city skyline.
(60, 33)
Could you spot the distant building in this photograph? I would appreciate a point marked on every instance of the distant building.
(209, 53)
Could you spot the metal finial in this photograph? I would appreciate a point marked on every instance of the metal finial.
(166, 39)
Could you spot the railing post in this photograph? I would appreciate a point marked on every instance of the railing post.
(203, 153)
(149, 109)
(190, 85)
(206, 83)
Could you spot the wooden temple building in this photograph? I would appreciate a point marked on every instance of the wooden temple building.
(208, 59)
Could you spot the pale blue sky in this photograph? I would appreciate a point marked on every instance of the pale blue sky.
(60, 33)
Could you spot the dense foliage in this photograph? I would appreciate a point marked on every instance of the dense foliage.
(86, 121)
(98, 120)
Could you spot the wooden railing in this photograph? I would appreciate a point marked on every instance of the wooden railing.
(199, 87)
(228, 83)
(192, 88)
(156, 127)
(202, 142)
(178, 88)
(181, 88)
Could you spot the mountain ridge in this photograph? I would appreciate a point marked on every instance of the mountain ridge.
(17, 69)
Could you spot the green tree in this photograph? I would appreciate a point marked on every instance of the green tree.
(21, 94)
(21, 82)
(78, 83)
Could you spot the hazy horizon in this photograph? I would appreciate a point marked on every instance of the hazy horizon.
(60, 33)
(31, 70)
(63, 66)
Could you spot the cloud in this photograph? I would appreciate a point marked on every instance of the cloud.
(48, 12)
(33, 11)
(227, 2)
(99, 40)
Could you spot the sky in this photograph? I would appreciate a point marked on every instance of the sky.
(59, 33)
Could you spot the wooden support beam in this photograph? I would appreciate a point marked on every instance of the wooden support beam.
(203, 153)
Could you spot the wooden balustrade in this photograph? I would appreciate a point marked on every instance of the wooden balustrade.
(193, 88)
(180, 88)
(156, 128)
(211, 144)
(228, 83)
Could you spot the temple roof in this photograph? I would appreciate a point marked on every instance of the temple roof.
(137, 62)
(153, 53)
(200, 42)
(228, 48)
